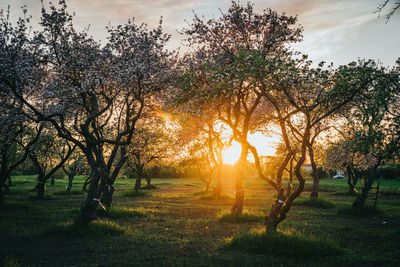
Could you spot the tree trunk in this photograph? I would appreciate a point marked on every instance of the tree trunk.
(70, 179)
(40, 188)
(218, 186)
(330, 172)
(52, 180)
(138, 183)
(272, 220)
(87, 182)
(351, 180)
(107, 194)
(360, 200)
(148, 181)
(290, 184)
(89, 205)
(314, 191)
(237, 209)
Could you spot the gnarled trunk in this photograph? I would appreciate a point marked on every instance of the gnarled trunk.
(351, 180)
(360, 200)
(314, 191)
(89, 205)
(107, 194)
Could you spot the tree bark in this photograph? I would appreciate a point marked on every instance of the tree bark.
(40, 188)
(351, 180)
(89, 205)
(107, 194)
(70, 179)
(218, 186)
(360, 200)
(314, 191)
(138, 183)
(237, 208)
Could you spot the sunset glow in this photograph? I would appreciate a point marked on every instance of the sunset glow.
(232, 153)
(266, 146)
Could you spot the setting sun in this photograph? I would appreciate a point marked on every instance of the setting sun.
(232, 153)
(265, 147)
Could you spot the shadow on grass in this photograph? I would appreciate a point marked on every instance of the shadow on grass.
(14, 191)
(14, 206)
(149, 187)
(133, 193)
(43, 198)
(245, 217)
(66, 193)
(99, 228)
(316, 203)
(360, 212)
(121, 212)
(280, 244)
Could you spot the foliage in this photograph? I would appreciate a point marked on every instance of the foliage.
(389, 172)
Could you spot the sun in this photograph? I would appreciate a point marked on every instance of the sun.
(232, 153)
(266, 146)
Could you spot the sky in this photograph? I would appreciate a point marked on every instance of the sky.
(338, 31)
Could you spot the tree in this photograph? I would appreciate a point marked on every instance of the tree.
(17, 70)
(48, 155)
(222, 70)
(75, 165)
(152, 141)
(389, 14)
(373, 137)
(93, 96)
(204, 137)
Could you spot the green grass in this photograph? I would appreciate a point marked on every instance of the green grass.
(122, 212)
(209, 195)
(174, 226)
(316, 203)
(287, 245)
(245, 217)
(99, 228)
(139, 193)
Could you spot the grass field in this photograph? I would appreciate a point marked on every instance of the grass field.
(179, 225)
